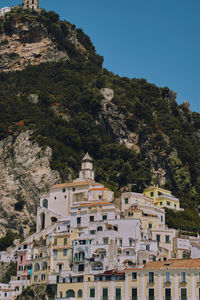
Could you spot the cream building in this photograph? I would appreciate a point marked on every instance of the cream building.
(31, 4)
(170, 280)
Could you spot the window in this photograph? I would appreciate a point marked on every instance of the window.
(43, 276)
(151, 277)
(91, 218)
(134, 275)
(151, 294)
(61, 294)
(183, 277)
(147, 247)
(55, 242)
(120, 242)
(168, 203)
(100, 197)
(78, 220)
(118, 294)
(70, 293)
(92, 292)
(55, 253)
(167, 239)
(134, 294)
(183, 294)
(80, 294)
(21, 258)
(104, 217)
(64, 252)
(126, 200)
(150, 225)
(55, 197)
(175, 205)
(167, 294)
(184, 255)
(151, 194)
(81, 268)
(167, 277)
(161, 218)
(158, 238)
(130, 242)
(160, 202)
(105, 241)
(65, 241)
(60, 267)
(93, 231)
(73, 189)
(63, 190)
(105, 294)
(99, 228)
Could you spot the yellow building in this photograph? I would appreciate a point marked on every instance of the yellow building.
(162, 198)
(40, 265)
(159, 280)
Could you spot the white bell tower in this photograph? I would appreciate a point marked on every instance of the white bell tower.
(86, 172)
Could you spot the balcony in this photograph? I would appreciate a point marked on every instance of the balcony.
(167, 283)
(183, 283)
(150, 283)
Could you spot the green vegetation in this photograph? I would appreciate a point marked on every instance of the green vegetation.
(68, 118)
(7, 240)
(11, 270)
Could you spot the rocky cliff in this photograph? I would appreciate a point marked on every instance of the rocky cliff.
(25, 174)
(26, 39)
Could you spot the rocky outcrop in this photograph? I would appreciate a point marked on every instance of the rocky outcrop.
(28, 46)
(25, 174)
(114, 121)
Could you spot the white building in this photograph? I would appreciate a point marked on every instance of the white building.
(4, 10)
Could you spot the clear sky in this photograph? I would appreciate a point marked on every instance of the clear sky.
(154, 39)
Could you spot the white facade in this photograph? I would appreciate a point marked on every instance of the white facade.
(4, 10)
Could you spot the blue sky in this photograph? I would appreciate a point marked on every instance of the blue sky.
(153, 39)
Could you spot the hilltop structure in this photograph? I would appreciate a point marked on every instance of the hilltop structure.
(31, 4)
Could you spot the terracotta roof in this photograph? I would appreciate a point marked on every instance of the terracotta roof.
(97, 203)
(77, 183)
(99, 189)
(174, 264)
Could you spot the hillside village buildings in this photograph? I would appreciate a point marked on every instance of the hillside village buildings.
(89, 245)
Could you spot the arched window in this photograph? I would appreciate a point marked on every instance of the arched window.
(37, 267)
(80, 294)
(99, 228)
(45, 203)
(44, 265)
(184, 255)
(70, 293)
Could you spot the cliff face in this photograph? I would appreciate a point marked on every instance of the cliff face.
(27, 39)
(25, 47)
(24, 175)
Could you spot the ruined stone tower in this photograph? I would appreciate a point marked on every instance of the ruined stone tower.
(31, 4)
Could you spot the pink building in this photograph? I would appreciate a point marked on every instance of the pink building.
(24, 265)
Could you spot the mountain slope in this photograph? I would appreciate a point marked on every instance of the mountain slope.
(135, 131)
